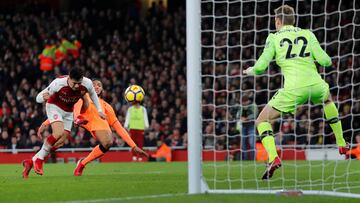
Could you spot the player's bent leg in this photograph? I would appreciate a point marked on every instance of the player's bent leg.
(267, 138)
(265, 130)
(60, 142)
(332, 118)
(268, 141)
(38, 159)
(105, 140)
(267, 114)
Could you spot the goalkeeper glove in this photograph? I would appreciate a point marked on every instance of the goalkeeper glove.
(249, 71)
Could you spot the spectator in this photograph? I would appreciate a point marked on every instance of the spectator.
(67, 143)
(34, 143)
(21, 140)
(137, 121)
(13, 145)
(150, 140)
(287, 132)
(77, 143)
(119, 142)
(246, 116)
(5, 140)
(176, 139)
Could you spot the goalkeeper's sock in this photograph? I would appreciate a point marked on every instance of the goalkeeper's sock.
(97, 152)
(332, 117)
(267, 139)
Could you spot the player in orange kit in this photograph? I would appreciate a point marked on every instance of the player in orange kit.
(99, 128)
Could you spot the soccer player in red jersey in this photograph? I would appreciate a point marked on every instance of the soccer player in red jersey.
(60, 97)
(99, 129)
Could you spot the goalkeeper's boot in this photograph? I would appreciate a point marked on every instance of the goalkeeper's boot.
(271, 168)
(28, 164)
(345, 149)
(38, 166)
(79, 168)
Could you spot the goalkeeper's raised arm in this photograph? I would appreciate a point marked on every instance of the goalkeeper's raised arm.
(263, 62)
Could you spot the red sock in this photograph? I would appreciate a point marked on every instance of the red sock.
(51, 140)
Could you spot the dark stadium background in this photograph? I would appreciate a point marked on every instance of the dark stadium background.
(127, 42)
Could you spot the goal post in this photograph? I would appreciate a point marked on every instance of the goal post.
(223, 37)
(193, 64)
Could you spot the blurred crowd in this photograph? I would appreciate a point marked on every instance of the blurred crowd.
(118, 46)
(123, 47)
(238, 40)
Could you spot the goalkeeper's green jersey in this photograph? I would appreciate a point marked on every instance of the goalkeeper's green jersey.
(295, 51)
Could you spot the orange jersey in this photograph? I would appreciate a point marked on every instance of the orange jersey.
(95, 121)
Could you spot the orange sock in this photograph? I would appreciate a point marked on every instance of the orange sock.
(94, 154)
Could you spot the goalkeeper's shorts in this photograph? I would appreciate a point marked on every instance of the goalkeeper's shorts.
(287, 101)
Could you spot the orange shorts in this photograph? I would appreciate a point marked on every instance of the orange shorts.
(96, 124)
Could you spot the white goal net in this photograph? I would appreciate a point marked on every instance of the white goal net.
(233, 34)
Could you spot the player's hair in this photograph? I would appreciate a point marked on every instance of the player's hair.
(76, 74)
(96, 79)
(286, 14)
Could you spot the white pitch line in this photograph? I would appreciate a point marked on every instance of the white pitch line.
(125, 198)
(132, 173)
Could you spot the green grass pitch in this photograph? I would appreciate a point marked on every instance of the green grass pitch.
(167, 182)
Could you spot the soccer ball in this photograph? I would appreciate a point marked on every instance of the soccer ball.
(134, 94)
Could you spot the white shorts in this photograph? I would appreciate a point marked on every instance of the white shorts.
(54, 113)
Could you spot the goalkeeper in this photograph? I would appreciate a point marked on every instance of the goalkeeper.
(295, 51)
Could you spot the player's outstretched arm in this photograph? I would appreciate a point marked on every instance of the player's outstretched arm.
(47, 92)
(115, 123)
(43, 96)
(139, 151)
(263, 62)
(121, 132)
(126, 137)
(319, 54)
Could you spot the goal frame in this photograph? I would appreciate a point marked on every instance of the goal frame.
(196, 182)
